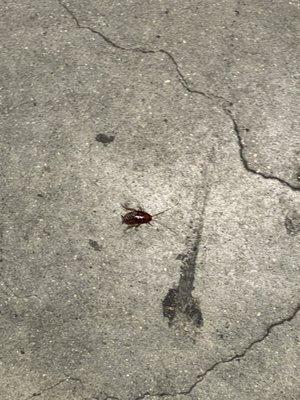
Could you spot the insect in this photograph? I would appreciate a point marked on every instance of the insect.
(136, 217)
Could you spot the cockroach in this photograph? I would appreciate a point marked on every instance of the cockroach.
(136, 217)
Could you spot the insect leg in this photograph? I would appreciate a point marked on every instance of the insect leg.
(128, 228)
(125, 206)
(139, 206)
(131, 227)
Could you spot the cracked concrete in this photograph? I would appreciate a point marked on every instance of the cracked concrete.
(151, 103)
(196, 392)
(184, 82)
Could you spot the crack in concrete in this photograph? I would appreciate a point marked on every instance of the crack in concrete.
(237, 356)
(244, 160)
(225, 103)
(47, 389)
(182, 79)
(36, 394)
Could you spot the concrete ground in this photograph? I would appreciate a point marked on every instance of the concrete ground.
(173, 103)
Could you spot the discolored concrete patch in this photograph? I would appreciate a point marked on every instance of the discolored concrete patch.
(104, 138)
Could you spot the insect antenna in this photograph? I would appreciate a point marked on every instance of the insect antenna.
(168, 209)
(165, 226)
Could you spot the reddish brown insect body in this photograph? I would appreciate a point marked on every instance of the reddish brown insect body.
(135, 217)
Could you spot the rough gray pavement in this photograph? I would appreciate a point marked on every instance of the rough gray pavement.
(152, 103)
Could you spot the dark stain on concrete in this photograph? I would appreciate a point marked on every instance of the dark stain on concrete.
(104, 138)
(179, 302)
(95, 245)
(292, 223)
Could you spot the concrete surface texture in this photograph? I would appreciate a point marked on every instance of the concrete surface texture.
(173, 103)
